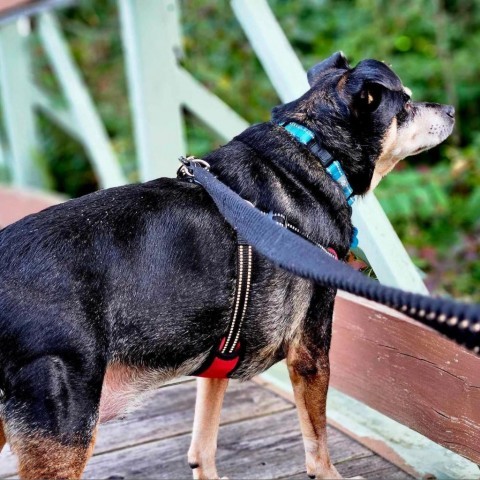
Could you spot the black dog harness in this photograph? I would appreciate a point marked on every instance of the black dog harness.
(225, 357)
(456, 320)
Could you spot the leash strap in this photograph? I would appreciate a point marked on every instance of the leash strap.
(458, 321)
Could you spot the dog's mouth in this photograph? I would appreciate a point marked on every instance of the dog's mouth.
(428, 127)
(425, 128)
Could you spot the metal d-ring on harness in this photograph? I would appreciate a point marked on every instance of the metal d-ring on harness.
(458, 321)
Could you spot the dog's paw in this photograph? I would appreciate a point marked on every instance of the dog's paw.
(330, 473)
(327, 476)
(200, 474)
(201, 477)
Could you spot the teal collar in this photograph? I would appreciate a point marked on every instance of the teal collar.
(332, 166)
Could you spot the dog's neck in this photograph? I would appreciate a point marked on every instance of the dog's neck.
(306, 137)
(268, 167)
(334, 132)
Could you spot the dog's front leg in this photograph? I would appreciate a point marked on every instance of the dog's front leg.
(309, 371)
(201, 455)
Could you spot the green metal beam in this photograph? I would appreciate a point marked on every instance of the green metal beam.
(150, 40)
(212, 111)
(61, 116)
(377, 237)
(16, 97)
(80, 104)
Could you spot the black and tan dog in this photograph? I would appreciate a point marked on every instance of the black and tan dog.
(109, 295)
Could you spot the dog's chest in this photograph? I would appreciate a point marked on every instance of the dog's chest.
(125, 386)
(277, 309)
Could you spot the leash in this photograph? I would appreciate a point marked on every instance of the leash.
(286, 249)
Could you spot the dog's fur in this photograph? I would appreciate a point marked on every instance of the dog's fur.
(111, 294)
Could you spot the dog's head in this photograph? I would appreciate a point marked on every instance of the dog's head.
(366, 118)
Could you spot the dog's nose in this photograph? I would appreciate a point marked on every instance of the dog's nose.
(449, 110)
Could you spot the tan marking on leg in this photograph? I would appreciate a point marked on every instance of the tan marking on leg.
(3, 438)
(310, 379)
(40, 457)
(208, 406)
(91, 447)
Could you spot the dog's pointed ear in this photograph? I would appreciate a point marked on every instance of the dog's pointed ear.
(368, 82)
(337, 60)
(368, 98)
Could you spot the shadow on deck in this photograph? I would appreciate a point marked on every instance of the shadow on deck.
(259, 438)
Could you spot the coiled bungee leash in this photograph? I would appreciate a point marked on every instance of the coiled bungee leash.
(292, 252)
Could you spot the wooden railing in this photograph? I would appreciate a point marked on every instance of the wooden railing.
(10, 4)
(16, 204)
(407, 371)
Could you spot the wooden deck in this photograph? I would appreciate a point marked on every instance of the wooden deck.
(259, 438)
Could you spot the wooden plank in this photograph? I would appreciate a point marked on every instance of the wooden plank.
(340, 406)
(266, 447)
(10, 4)
(11, 10)
(169, 412)
(372, 467)
(408, 372)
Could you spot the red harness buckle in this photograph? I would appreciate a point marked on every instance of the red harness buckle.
(220, 365)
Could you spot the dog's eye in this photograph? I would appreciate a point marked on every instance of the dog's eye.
(408, 106)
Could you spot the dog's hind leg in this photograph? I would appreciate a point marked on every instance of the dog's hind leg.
(51, 415)
(309, 371)
(201, 454)
(3, 439)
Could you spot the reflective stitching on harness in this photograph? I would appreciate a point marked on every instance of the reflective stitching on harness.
(246, 294)
(241, 297)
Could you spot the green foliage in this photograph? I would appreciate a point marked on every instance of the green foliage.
(433, 201)
(410, 194)
(436, 212)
